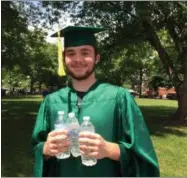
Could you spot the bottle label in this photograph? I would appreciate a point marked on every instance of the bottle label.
(73, 133)
(59, 126)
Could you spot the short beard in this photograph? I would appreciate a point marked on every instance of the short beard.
(80, 78)
(83, 77)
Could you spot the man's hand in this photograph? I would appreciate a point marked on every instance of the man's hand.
(57, 142)
(93, 145)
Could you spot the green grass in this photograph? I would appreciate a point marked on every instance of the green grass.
(169, 138)
(18, 118)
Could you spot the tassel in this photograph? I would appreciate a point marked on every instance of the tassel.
(61, 71)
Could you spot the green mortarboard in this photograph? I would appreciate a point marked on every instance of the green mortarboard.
(77, 36)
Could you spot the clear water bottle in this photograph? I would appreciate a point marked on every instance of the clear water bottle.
(88, 127)
(61, 124)
(74, 127)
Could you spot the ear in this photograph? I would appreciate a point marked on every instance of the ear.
(97, 58)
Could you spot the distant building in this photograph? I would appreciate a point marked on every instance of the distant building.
(160, 93)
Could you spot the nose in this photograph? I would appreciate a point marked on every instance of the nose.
(78, 57)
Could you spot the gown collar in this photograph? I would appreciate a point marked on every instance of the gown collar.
(72, 95)
(72, 89)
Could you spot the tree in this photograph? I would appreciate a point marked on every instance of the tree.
(158, 81)
(13, 78)
(134, 22)
(14, 27)
(41, 61)
(25, 52)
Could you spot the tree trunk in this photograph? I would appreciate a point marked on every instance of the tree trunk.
(40, 86)
(132, 83)
(32, 85)
(163, 55)
(141, 78)
(181, 86)
(181, 112)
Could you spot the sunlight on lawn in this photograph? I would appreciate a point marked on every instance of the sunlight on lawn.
(18, 119)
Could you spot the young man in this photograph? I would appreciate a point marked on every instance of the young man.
(121, 143)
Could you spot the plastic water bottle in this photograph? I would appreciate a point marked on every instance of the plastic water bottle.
(74, 127)
(88, 127)
(61, 124)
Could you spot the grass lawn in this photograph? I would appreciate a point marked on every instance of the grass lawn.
(169, 139)
(18, 118)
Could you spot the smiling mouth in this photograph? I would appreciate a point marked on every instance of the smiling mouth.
(78, 66)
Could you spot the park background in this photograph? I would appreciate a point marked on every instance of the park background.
(144, 48)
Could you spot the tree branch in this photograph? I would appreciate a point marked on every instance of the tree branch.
(173, 34)
(184, 59)
(127, 12)
(155, 42)
(171, 24)
(176, 40)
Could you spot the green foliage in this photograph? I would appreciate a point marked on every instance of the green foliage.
(13, 29)
(134, 32)
(162, 24)
(158, 81)
(27, 60)
(13, 78)
(39, 62)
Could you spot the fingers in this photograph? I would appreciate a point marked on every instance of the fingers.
(58, 139)
(88, 148)
(89, 135)
(92, 145)
(53, 146)
(89, 138)
(58, 132)
(88, 141)
(63, 149)
(59, 146)
(89, 151)
(49, 149)
(53, 152)
(53, 149)
(58, 136)
(91, 154)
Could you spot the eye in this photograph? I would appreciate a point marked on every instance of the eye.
(85, 53)
(70, 54)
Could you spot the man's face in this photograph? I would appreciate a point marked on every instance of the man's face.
(80, 61)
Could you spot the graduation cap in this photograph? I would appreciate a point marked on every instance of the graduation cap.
(74, 36)
(77, 36)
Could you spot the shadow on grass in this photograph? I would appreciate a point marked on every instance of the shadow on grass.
(18, 119)
(22, 97)
(159, 122)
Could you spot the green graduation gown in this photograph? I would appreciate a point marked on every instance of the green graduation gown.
(116, 118)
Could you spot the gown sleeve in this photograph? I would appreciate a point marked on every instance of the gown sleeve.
(39, 137)
(137, 155)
